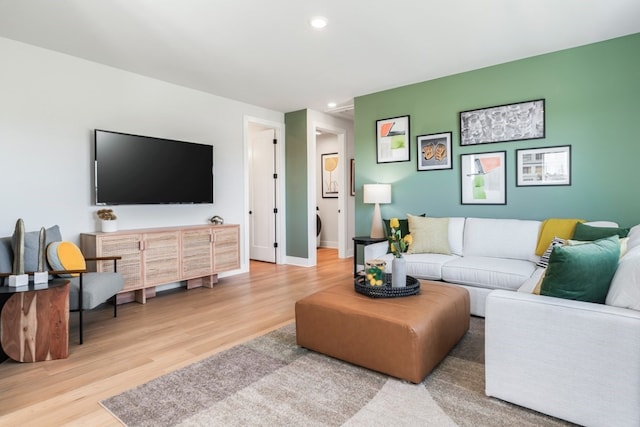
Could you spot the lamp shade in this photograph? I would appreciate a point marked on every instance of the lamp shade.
(376, 193)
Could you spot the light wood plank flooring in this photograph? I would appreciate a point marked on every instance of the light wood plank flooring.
(172, 330)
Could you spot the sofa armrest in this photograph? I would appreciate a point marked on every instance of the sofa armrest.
(569, 359)
(375, 250)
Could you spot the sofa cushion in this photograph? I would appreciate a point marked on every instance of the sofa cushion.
(588, 233)
(583, 272)
(555, 227)
(544, 259)
(423, 266)
(488, 272)
(6, 255)
(430, 235)
(456, 235)
(624, 291)
(501, 238)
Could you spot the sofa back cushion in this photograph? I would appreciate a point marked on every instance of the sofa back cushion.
(6, 256)
(501, 238)
(456, 235)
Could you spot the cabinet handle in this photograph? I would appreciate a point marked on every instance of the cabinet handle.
(141, 245)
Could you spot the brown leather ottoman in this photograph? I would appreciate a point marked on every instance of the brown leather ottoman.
(404, 337)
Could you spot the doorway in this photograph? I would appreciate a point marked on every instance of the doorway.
(264, 159)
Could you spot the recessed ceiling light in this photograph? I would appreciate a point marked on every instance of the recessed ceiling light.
(332, 105)
(318, 22)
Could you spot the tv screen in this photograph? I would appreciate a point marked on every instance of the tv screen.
(134, 169)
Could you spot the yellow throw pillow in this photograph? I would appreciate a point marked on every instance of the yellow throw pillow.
(555, 227)
(430, 235)
(65, 256)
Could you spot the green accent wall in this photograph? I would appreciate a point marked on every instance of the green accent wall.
(592, 102)
(296, 183)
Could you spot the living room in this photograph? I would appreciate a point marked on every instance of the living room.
(52, 101)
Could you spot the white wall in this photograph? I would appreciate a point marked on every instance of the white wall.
(49, 105)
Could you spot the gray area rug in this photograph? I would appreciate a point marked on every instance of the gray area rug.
(270, 381)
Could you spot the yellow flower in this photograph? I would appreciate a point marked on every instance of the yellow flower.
(394, 223)
(393, 248)
(408, 239)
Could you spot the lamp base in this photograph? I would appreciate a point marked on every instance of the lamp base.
(377, 229)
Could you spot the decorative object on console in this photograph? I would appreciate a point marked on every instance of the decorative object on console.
(543, 166)
(216, 219)
(483, 178)
(434, 151)
(511, 122)
(376, 194)
(18, 278)
(392, 140)
(108, 221)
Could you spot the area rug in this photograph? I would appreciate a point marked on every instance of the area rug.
(270, 381)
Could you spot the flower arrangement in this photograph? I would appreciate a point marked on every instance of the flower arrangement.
(397, 243)
(106, 215)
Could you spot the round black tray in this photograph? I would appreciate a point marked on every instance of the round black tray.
(386, 290)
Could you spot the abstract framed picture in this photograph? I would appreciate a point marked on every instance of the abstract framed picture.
(330, 175)
(434, 151)
(510, 122)
(392, 140)
(353, 177)
(483, 178)
(543, 166)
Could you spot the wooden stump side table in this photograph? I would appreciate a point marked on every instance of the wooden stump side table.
(34, 322)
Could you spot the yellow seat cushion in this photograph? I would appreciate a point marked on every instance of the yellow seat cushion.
(65, 256)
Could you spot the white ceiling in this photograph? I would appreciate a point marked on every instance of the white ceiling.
(263, 52)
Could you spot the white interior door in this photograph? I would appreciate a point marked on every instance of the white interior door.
(262, 195)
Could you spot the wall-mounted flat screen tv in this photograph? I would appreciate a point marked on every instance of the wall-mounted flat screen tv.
(134, 169)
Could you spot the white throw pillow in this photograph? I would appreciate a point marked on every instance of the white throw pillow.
(624, 291)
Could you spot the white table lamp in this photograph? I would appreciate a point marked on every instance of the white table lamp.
(376, 194)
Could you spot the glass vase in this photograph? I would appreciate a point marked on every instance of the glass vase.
(399, 272)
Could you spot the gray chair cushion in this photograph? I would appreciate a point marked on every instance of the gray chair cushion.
(6, 255)
(98, 288)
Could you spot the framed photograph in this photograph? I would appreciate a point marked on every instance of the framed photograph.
(330, 175)
(483, 178)
(543, 166)
(434, 151)
(511, 122)
(353, 177)
(392, 140)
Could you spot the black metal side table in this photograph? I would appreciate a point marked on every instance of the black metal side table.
(364, 241)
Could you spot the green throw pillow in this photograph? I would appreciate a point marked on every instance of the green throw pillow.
(582, 272)
(587, 233)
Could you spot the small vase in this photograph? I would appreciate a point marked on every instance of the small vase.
(399, 272)
(109, 226)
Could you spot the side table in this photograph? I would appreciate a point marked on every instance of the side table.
(364, 241)
(34, 321)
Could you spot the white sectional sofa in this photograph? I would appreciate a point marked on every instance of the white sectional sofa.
(486, 254)
(574, 360)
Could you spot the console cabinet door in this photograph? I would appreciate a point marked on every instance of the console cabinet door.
(128, 246)
(226, 248)
(161, 257)
(197, 253)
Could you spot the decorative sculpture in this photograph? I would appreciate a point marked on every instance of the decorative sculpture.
(41, 276)
(18, 278)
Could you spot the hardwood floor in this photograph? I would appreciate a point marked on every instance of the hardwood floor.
(172, 330)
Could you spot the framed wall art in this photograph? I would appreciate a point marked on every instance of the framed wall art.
(392, 140)
(353, 177)
(511, 122)
(330, 175)
(483, 178)
(434, 151)
(543, 166)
